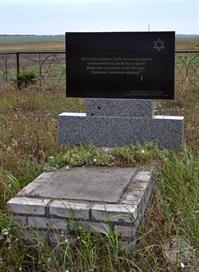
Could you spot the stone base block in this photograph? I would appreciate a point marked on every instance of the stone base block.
(119, 107)
(57, 215)
(109, 131)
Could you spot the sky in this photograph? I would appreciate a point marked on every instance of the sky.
(48, 17)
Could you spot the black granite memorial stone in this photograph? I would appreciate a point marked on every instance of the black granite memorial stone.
(136, 65)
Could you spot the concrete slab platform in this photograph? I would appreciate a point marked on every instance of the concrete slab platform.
(85, 183)
(96, 198)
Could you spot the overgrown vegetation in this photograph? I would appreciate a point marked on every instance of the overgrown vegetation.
(28, 146)
(25, 78)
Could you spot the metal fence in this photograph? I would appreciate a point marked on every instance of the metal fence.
(50, 68)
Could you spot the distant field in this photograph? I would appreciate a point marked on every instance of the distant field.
(187, 44)
(32, 46)
(14, 43)
(31, 43)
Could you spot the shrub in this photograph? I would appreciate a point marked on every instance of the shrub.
(25, 78)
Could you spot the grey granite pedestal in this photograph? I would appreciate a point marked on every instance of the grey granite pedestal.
(113, 122)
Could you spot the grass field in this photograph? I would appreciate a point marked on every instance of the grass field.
(29, 146)
(31, 43)
(57, 43)
(32, 46)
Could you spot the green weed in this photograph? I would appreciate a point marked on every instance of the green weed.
(25, 78)
(29, 146)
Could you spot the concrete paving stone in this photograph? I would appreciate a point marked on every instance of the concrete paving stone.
(46, 223)
(96, 227)
(86, 183)
(63, 237)
(143, 176)
(29, 234)
(136, 185)
(19, 220)
(38, 222)
(127, 245)
(147, 195)
(133, 197)
(59, 223)
(45, 175)
(125, 231)
(114, 212)
(25, 205)
(69, 209)
(35, 184)
(149, 191)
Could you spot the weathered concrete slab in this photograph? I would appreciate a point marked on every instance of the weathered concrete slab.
(84, 183)
(25, 205)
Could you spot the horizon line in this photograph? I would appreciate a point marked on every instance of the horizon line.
(63, 34)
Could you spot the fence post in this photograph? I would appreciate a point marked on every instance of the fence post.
(40, 69)
(18, 67)
(6, 67)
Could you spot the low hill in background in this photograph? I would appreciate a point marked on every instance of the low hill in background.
(187, 37)
(30, 38)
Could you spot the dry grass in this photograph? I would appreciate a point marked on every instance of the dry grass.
(28, 136)
(187, 45)
(28, 146)
(32, 46)
(60, 46)
(186, 104)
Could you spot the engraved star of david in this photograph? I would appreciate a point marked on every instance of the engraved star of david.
(159, 45)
